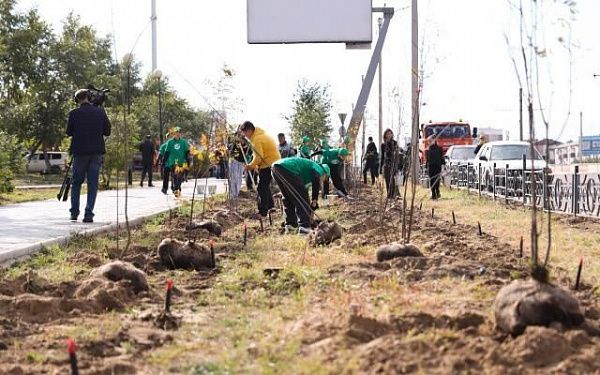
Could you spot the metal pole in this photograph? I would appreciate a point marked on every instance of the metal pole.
(160, 121)
(154, 48)
(521, 114)
(380, 22)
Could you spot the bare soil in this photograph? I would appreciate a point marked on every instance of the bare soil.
(272, 308)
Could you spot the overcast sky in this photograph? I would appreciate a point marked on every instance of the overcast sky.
(469, 72)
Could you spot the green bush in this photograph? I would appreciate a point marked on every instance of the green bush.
(10, 161)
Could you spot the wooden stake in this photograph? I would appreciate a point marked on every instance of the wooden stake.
(521, 248)
(420, 205)
(262, 228)
(432, 212)
(270, 219)
(212, 254)
(245, 234)
(169, 295)
(479, 226)
(578, 278)
(453, 218)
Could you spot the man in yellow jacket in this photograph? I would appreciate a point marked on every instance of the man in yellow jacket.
(265, 153)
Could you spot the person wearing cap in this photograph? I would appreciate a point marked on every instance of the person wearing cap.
(305, 148)
(292, 175)
(87, 126)
(435, 160)
(175, 156)
(265, 153)
(148, 152)
(333, 158)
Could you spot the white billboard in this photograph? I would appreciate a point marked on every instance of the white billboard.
(309, 21)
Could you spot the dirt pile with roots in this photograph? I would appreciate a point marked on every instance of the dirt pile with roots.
(427, 330)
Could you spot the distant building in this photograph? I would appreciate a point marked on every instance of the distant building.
(590, 147)
(492, 134)
(566, 153)
(540, 146)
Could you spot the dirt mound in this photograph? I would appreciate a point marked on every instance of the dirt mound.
(226, 218)
(525, 303)
(88, 259)
(397, 250)
(117, 271)
(325, 233)
(104, 295)
(187, 255)
(30, 282)
(212, 226)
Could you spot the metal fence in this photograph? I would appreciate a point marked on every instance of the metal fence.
(572, 193)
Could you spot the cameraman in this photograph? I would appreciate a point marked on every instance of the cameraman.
(87, 125)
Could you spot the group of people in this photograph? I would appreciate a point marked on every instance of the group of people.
(254, 152)
(292, 171)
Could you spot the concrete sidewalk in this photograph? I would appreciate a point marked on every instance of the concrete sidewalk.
(27, 227)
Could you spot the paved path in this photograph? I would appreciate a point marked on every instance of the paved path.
(27, 227)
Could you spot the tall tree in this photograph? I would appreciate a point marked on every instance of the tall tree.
(311, 112)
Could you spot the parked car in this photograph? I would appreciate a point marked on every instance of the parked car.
(37, 164)
(459, 155)
(504, 153)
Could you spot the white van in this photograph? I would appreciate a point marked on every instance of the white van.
(58, 162)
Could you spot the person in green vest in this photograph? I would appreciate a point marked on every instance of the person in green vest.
(305, 148)
(292, 175)
(334, 157)
(174, 156)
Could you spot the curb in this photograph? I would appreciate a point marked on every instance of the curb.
(22, 253)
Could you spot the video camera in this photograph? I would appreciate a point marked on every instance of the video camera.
(97, 96)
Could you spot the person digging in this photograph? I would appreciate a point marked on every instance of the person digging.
(292, 175)
(333, 158)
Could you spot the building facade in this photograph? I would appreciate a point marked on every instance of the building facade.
(563, 154)
(590, 147)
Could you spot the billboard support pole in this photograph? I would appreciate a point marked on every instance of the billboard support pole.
(363, 97)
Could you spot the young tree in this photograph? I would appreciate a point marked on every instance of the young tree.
(543, 36)
(311, 112)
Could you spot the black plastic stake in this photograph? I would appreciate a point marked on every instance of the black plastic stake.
(262, 228)
(72, 350)
(578, 278)
(169, 295)
(245, 234)
(479, 226)
(432, 212)
(420, 205)
(453, 218)
(270, 219)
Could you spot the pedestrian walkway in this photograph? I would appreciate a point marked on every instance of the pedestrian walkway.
(27, 227)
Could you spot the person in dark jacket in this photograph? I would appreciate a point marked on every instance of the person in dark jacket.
(390, 162)
(87, 126)
(371, 157)
(148, 152)
(435, 160)
(292, 175)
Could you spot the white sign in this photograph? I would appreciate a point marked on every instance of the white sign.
(309, 21)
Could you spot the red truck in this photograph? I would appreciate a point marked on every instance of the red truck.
(447, 134)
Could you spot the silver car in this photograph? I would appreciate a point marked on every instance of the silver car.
(503, 153)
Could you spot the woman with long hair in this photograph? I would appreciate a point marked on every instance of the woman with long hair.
(390, 162)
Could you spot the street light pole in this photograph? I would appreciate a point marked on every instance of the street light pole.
(380, 22)
(158, 75)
